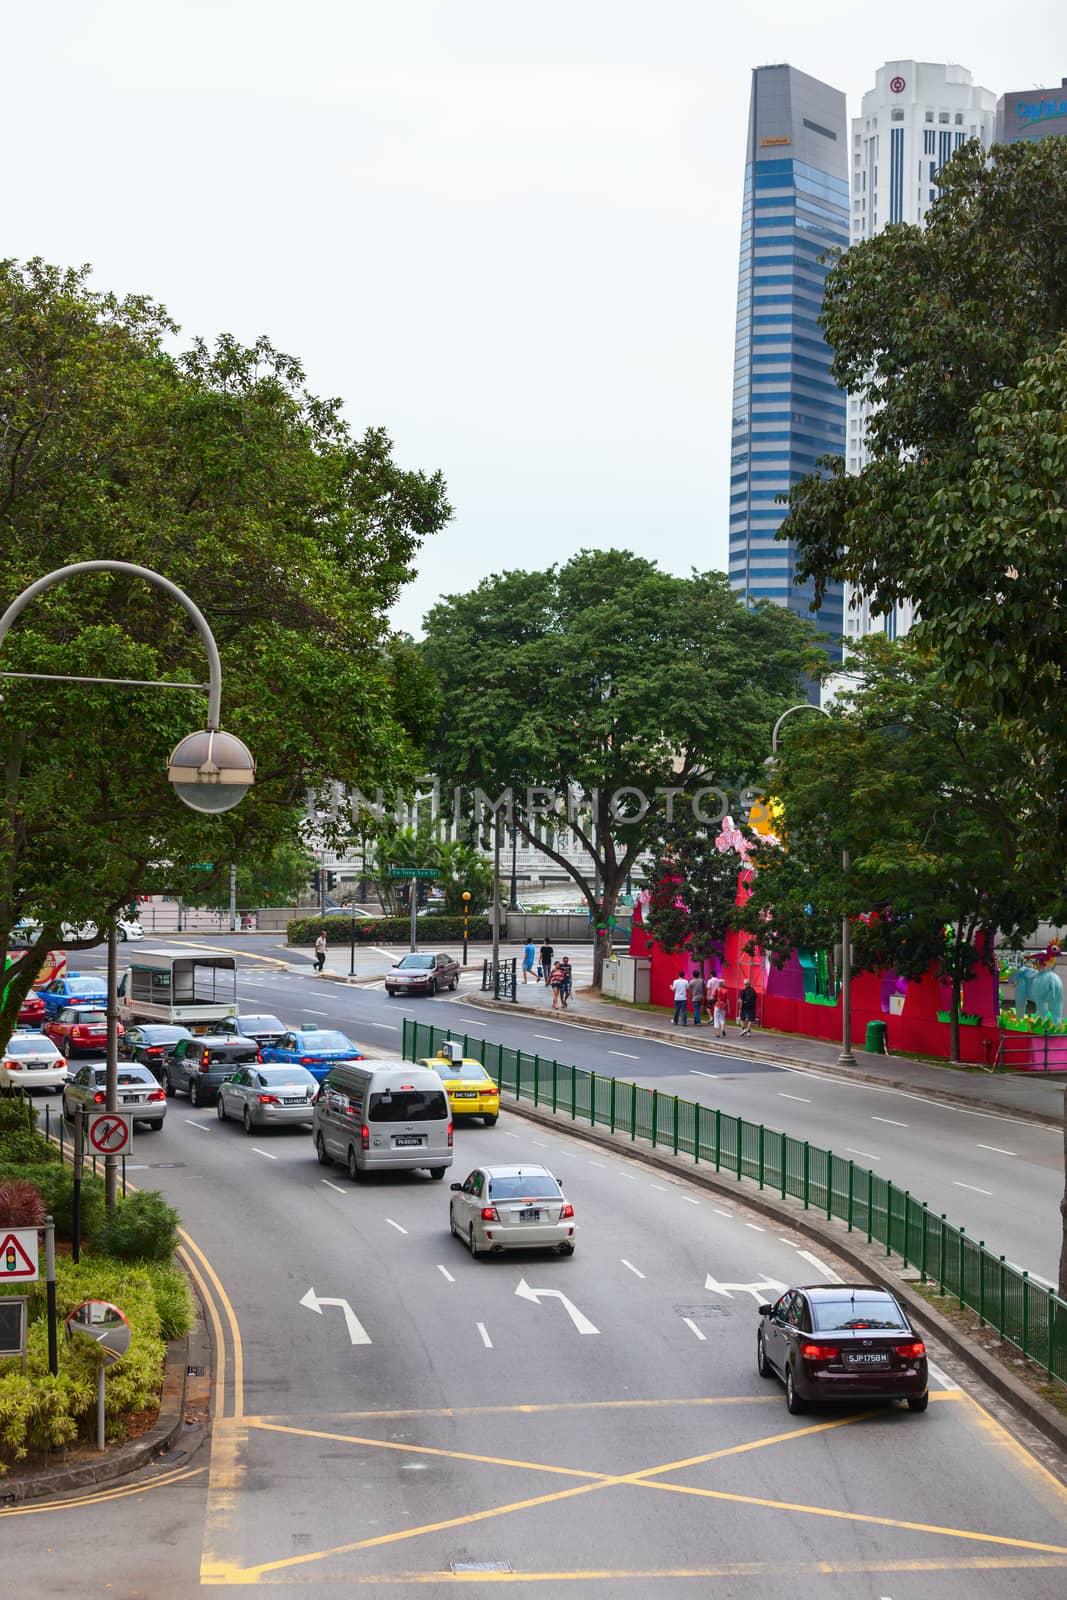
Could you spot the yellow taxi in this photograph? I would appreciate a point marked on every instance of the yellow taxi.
(471, 1091)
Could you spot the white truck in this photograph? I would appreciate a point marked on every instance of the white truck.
(194, 991)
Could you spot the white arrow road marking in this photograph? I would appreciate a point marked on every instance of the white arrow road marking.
(581, 1322)
(488, 1343)
(356, 1331)
(758, 1290)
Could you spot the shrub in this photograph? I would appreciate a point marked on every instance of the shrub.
(174, 1299)
(21, 1205)
(16, 1112)
(142, 1228)
(56, 1185)
(20, 1147)
(443, 930)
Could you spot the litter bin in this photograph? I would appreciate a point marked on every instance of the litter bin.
(876, 1038)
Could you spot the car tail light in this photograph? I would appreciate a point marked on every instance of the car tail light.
(205, 1060)
(157, 1094)
(78, 1032)
(911, 1352)
(13, 1066)
(567, 1212)
(153, 1050)
(491, 1089)
(450, 1136)
(268, 1099)
(364, 1137)
(490, 1214)
(99, 1098)
(61, 1061)
(820, 1352)
(307, 1061)
(259, 1057)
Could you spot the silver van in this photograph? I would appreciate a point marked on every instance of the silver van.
(376, 1116)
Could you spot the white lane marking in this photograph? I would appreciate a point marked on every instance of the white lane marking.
(974, 1190)
(602, 1165)
(309, 1013)
(508, 1135)
(939, 1377)
(866, 1154)
(820, 1266)
(629, 1264)
(205, 1127)
(997, 1151)
(920, 1099)
(336, 1187)
(631, 1177)
(717, 1212)
(625, 1054)
(755, 1227)
(662, 1187)
(801, 1097)
(474, 1022)
(540, 1143)
(395, 1225)
(891, 1121)
(691, 1325)
(696, 1073)
(690, 1200)
(553, 1038)
(445, 1273)
(790, 1242)
(392, 1026)
(485, 1337)
(256, 1151)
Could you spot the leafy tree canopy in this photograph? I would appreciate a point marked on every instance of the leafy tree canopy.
(603, 675)
(217, 468)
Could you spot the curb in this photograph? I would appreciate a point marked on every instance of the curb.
(868, 1259)
(822, 1069)
(124, 1458)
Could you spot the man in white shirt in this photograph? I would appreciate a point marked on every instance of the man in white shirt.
(680, 990)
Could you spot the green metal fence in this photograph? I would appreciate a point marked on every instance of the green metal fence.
(1023, 1311)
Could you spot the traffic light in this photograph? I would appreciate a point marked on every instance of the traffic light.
(331, 879)
(315, 879)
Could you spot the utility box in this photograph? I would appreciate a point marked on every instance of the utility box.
(633, 978)
(609, 977)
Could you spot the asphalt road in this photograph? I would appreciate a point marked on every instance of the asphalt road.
(1001, 1177)
(591, 1427)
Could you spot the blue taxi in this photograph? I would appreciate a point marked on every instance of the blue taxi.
(317, 1049)
(73, 989)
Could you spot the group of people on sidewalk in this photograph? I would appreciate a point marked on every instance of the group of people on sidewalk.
(713, 996)
(556, 975)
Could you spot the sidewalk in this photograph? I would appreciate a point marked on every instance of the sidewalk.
(1032, 1096)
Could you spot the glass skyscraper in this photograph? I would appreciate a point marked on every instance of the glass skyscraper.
(787, 410)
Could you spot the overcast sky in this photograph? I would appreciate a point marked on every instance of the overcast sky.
(507, 233)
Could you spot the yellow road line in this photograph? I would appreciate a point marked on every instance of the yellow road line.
(428, 1450)
(220, 1342)
(231, 1318)
(534, 1410)
(223, 950)
(1054, 1489)
(73, 1502)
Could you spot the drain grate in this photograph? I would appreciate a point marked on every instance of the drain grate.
(195, 1372)
(481, 1566)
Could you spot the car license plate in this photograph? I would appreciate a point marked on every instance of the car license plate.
(867, 1358)
(295, 1100)
(529, 1216)
(130, 1099)
(464, 1094)
(408, 1139)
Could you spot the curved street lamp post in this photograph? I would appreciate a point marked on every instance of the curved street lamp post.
(210, 770)
(846, 1058)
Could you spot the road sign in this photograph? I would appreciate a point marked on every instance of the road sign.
(18, 1256)
(111, 1132)
(413, 872)
(13, 1325)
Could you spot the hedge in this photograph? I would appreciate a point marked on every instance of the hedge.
(438, 929)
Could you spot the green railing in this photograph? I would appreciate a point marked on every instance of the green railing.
(1023, 1311)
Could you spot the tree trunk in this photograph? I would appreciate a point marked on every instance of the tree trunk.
(954, 1020)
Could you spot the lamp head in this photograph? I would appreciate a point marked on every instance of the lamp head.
(466, 895)
(211, 770)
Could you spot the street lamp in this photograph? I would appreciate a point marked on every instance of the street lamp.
(210, 770)
(846, 1058)
(466, 914)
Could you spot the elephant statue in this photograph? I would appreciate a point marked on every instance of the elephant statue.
(1044, 987)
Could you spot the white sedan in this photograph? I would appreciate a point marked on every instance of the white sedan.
(511, 1208)
(32, 1061)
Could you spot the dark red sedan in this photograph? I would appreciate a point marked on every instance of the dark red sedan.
(31, 1012)
(841, 1341)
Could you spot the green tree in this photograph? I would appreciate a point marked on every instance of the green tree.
(278, 877)
(693, 890)
(218, 468)
(609, 679)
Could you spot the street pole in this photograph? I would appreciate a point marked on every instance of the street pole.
(50, 1290)
(414, 899)
(352, 951)
(846, 1058)
(466, 914)
(111, 1087)
(496, 900)
(233, 897)
(322, 883)
(513, 904)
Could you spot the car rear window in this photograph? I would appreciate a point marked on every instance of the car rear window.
(861, 1310)
(325, 1039)
(298, 1075)
(127, 1075)
(39, 1046)
(97, 1018)
(233, 1052)
(264, 1023)
(470, 1070)
(536, 1186)
(408, 1105)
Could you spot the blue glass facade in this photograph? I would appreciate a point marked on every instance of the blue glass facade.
(787, 410)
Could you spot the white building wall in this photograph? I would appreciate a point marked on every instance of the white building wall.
(916, 116)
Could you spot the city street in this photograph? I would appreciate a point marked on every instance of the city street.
(391, 1415)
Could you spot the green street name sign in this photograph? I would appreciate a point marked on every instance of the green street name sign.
(413, 872)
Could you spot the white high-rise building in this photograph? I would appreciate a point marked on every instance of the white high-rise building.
(916, 116)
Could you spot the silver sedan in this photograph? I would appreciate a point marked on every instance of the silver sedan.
(511, 1208)
(267, 1097)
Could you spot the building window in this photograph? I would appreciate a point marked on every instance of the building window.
(929, 116)
(817, 127)
(942, 116)
(897, 116)
(929, 137)
(959, 117)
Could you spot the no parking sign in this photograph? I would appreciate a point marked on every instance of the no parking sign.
(110, 1133)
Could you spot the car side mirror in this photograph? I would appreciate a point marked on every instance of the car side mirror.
(766, 1311)
(456, 1186)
